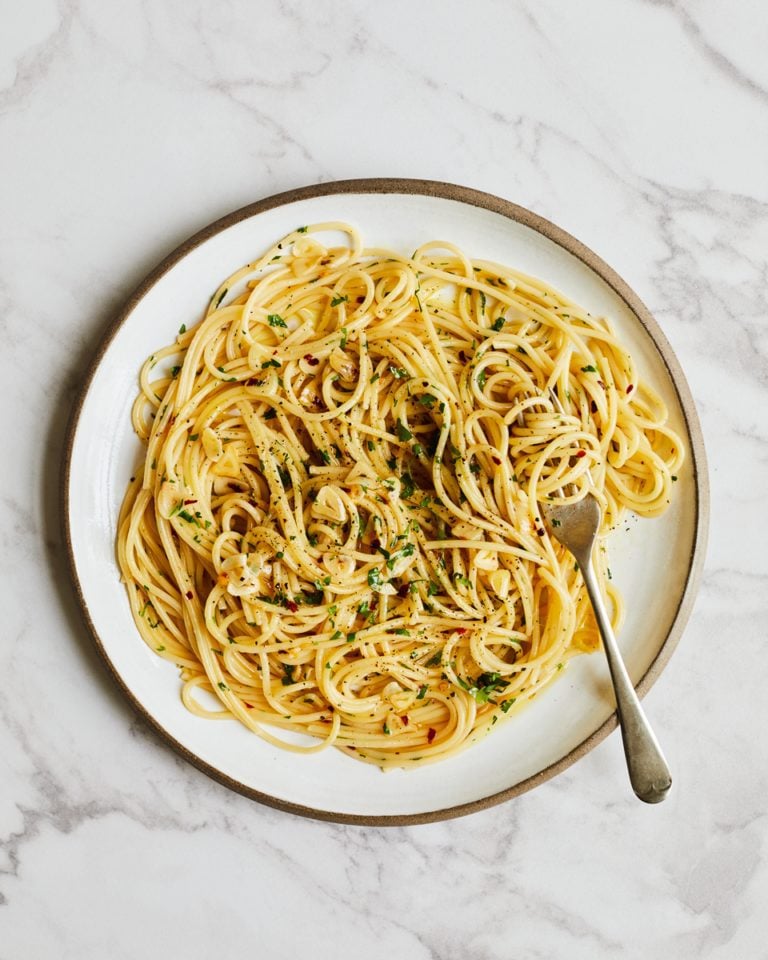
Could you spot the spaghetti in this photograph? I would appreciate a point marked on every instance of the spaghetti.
(336, 531)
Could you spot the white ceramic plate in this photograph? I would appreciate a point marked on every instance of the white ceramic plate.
(656, 563)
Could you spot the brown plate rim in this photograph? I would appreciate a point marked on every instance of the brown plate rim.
(472, 197)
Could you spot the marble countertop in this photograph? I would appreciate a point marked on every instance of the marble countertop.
(641, 128)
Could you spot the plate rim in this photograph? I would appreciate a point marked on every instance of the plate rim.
(472, 197)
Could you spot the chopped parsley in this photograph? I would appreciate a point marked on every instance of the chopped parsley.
(287, 680)
(310, 598)
(275, 320)
(484, 687)
(406, 551)
(403, 433)
(375, 581)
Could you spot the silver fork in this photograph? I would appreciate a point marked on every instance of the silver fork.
(576, 525)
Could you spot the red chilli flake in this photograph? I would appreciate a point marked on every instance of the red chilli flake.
(190, 501)
(249, 706)
(312, 361)
(405, 720)
(431, 734)
(292, 605)
(496, 461)
(581, 453)
(461, 629)
(189, 594)
(630, 388)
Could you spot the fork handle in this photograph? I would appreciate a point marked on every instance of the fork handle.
(648, 771)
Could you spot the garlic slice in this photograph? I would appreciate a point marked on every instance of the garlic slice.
(228, 465)
(246, 574)
(167, 499)
(486, 560)
(463, 530)
(338, 566)
(500, 581)
(329, 505)
(343, 364)
(212, 444)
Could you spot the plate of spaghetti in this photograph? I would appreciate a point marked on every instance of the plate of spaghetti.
(302, 498)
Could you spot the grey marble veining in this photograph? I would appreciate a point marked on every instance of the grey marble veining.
(640, 127)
